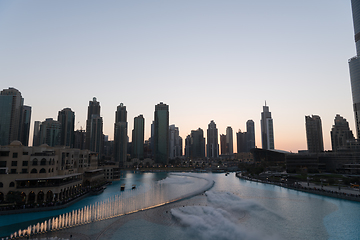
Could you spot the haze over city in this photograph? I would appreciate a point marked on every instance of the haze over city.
(207, 60)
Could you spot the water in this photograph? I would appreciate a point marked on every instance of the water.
(232, 209)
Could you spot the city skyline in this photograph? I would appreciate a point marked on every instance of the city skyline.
(217, 48)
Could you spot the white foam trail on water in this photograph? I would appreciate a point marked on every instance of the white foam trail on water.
(176, 180)
(219, 221)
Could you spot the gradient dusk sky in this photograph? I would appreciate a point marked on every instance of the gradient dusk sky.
(208, 60)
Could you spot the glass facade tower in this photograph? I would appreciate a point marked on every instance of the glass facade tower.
(161, 133)
(354, 65)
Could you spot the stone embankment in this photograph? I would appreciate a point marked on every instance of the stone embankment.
(315, 190)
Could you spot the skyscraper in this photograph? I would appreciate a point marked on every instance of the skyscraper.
(197, 144)
(314, 134)
(340, 133)
(138, 137)
(212, 146)
(50, 132)
(120, 135)
(250, 135)
(67, 119)
(175, 142)
(354, 65)
(161, 133)
(223, 144)
(93, 112)
(267, 129)
(36, 135)
(241, 141)
(13, 125)
(229, 141)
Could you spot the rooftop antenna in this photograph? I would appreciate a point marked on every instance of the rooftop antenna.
(265, 103)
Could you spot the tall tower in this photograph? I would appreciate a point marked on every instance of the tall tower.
(314, 134)
(175, 142)
(36, 136)
(223, 144)
(67, 119)
(13, 125)
(161, 133)
(138, 137)
(241, 141)
(250, 135)
(354, 65)
(93, 112)
(229, 140)
(120, 135)
(197, 144)
(340, 133)
(267, 130)
(212, 145)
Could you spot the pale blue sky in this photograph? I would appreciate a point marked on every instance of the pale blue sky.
(207, 60)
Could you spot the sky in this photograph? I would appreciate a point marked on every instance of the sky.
(208, 60)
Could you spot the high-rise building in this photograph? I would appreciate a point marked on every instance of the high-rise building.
(314, 134)
(13, 125)
(340, 133)
(354, 65)
(36, 135)
(67, 119)
(161, 133)
(197, 144)
(241, 141)
(187, 146)
(120, 135)
(50, 132)
(223, 144)
(267, 129)
(212, 146)
(93, 112)
(79, 139)
(175, 142)
(229, 141)
(250, 135)
(138, 137)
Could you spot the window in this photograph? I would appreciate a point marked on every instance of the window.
(24, 170)
(25, 153)
(15, 155)
(14, 163)
(43, 162)
(2, 163)
(42, 170)
(1, 185)
(34, 170)
(2, 171)
(35, 162)
(12, 171)
(25, 163)
(4, 153)
(12, 184)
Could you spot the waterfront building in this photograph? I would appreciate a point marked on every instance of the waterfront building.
(267, 129)
(241, 138)
(14, 117)
(250, 135)
(187, 146)
(46, 174)
(340, 133)
(354, 66)
(314, 136)
(50, 132)
(229, 141)
(138, 137)
(175, 142)
(197, 144)
(161, 133)
(120, 135)
(36, 135)
(212, 145)
(67, 119)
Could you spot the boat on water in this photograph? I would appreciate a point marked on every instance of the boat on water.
(97, 191)
(133, 186)
(122, 188)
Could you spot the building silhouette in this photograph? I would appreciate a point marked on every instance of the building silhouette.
(223, 144)
(354, 66)
(36, 134)
(161, 133)
(138, 137)
(50, 132)
(229, 141)
(250, 135)
(241, 141)
(120, 135)
(93, 113)
(340, 133)
(314, 136)
(67, 119)
(267, 129)
(212, 146)
(14, 117)
(175, 142)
